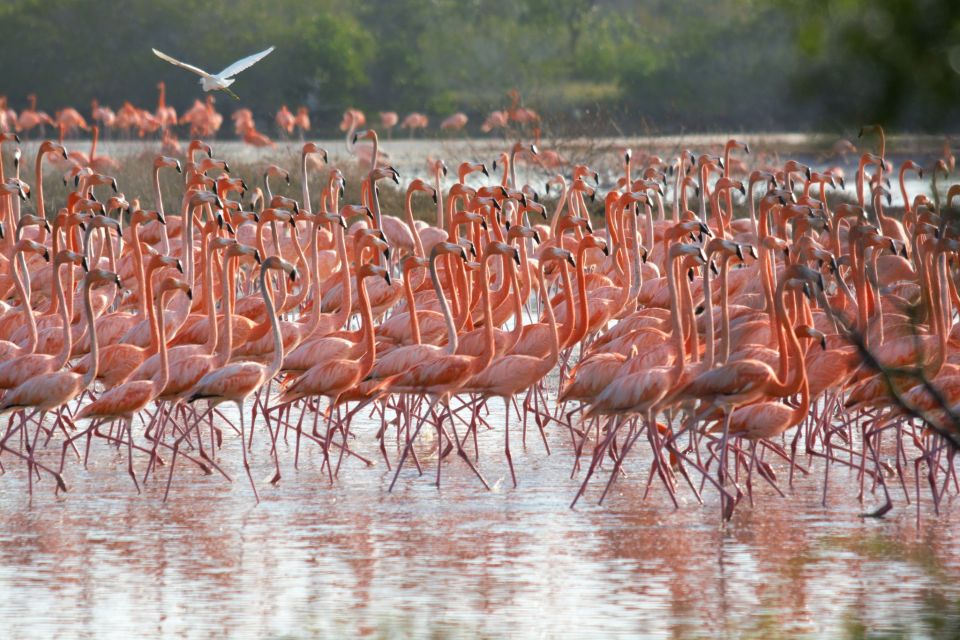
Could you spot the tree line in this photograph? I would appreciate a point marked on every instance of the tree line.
(608, 65)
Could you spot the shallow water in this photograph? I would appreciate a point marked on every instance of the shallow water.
(315, 560)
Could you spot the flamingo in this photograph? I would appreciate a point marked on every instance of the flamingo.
(237, 381)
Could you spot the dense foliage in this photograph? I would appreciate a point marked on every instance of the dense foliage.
(664, 64)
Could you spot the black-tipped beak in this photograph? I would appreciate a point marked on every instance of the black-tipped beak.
(179, 266)
(606, 251)
(483, 224)
(46, 253)
(355, 138)
(64, 153)
(369, 213)
(588, 226)
(713, 268)
(483, 170)
(46, 227)
(386, 253)
(189, 294)
(209, 152)
(179, 168)
(690, 274)
(463, 253)
(434, 197)
(84, 265)
(230, 229)
(823, 343)
(76, 180)
(571, 261)
(293, 275)
(492, 164)
(536, 236)
(860, 135)
(746, 149)
(473, 250)
(256, 257)
(534, 150)
(16, 138)
(740, 252)
(160, 217)
(743, 190)
(806, 291)
(342, 221)
(113, 185)
(516, 257)
(444, 168)
(705, 230)
(386, 276)
(325, 160)
(116, 281)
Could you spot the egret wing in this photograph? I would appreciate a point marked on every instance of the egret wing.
(244, 63)
(174, 61)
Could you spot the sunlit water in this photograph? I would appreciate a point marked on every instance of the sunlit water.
(315, 559)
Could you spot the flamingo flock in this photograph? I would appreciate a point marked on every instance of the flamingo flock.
(732, 332)
(204, 121)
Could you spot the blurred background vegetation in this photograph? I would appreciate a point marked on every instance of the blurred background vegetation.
(604, 66)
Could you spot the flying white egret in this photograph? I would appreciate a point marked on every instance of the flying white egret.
(222, 80)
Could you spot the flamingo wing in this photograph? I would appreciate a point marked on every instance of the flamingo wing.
(184, 65)
(242, 64)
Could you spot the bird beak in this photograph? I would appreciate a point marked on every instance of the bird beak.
(483, 170)
(189, 293)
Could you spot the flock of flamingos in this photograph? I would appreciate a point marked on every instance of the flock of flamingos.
(205, 121)
(728, 332)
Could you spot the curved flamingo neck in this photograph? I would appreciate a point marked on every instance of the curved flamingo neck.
(91, 374)
(408, 210)
(24, 294)
(452, 341)
(366, 321)
(66, 345)
(161, 383)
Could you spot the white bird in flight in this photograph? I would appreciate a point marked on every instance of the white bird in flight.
(222, 80)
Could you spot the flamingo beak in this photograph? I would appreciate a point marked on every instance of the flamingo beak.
(536, 236)
(84, 265)
(179, 266)
(386, 276)
(516, 257)
(571, 260)
(160, 217)
(740, 252)
(493, 164)
(293, 275)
